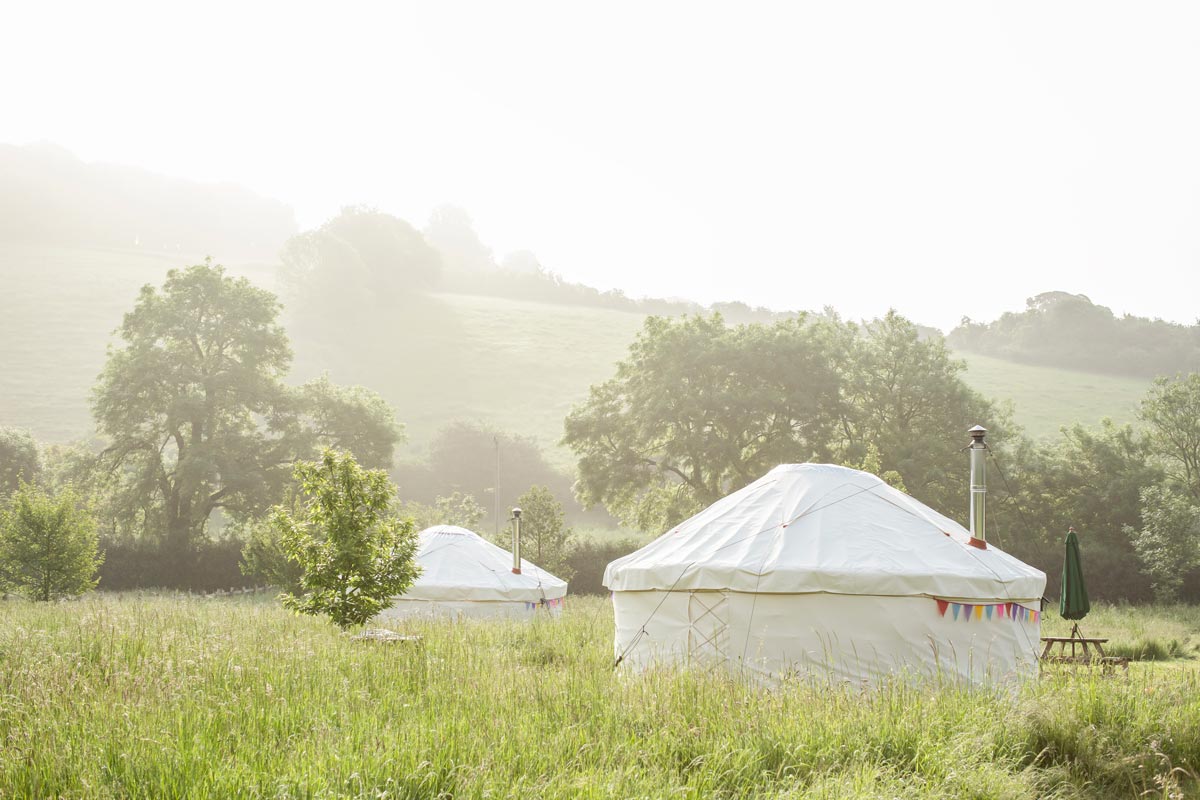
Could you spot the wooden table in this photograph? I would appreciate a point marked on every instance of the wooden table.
(1076, 642)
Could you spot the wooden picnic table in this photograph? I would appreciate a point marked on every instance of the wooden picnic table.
(1087, 643)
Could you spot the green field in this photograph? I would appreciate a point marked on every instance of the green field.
(517, 365)
(58, 308)
(1047, 398)
(144, 696)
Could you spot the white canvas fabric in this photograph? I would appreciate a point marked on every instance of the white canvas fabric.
(817, 568)
(463, 574)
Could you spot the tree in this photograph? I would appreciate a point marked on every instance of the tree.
(545, 537)
(48, 545)
(1168, 543)
(349, 417)
(197, 412)
(263, 555)
(905, 410)
(1171, 411)
(356, 553)
(699, 409)
(451, 232)
(1090, 479)
(358, 260)
(19, 459)
(462, 460)
(457, 509)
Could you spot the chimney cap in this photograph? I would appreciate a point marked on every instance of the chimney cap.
(977, 432)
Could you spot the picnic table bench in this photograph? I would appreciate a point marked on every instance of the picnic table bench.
(1085, 643)
(1082, 641)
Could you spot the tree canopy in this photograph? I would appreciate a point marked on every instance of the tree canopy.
(700, 408)
(20, 459)
(1070, 331)
(358, 260)
(197, 413)
(1171, 412)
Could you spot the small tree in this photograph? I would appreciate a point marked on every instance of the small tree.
(545, 537)
(356, 553)
(19, 459)
(48, 545)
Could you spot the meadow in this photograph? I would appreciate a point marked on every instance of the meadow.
(1047, 398)
(123, 695)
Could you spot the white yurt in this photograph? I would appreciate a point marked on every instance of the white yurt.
(465, 575)
(823, 571)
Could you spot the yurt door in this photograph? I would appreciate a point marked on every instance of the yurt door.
(708, 636)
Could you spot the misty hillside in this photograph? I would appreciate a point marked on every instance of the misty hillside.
(517, 364)
(369, 300)
(1060, 329)
(48, 196)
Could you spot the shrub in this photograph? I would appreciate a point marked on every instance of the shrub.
(587, 559)
(48, 545)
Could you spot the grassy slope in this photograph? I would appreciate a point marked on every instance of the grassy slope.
(158, 697)
(518, 365)
(58, 307)
(1048, 398)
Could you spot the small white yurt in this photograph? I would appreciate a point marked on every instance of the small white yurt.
(464, 575)
(822, 571)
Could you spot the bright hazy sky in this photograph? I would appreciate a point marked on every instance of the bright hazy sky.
(941, 158)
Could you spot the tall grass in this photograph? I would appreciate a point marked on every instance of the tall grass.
(143, 696)
(1140, 633)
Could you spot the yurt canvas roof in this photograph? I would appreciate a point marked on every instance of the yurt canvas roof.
(821, 528)
(460, 565)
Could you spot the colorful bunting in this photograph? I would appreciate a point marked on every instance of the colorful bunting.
(556, 602)
(1011, 611)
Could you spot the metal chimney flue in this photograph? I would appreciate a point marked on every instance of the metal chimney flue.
(516, 568)
(978, 487)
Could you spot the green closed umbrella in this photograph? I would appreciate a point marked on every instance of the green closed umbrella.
(1073, 600)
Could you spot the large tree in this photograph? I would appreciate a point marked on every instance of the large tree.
(360, 260)
(197, 412)
(700, 408)
(905, 402)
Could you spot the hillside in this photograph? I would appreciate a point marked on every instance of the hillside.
(1048, 398)
(58, 307)
(516, 364)
(48, 196)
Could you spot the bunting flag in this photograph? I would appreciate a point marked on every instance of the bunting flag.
(980, 611)
(555, 602)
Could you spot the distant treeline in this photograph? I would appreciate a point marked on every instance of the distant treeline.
(1058, 329)
(364, 257)
(48, 196)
